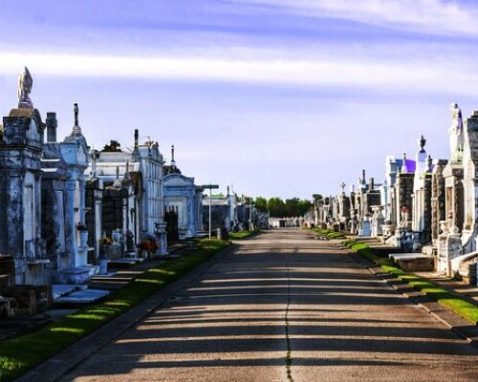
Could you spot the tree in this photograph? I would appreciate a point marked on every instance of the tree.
(318, 199)
(276, 207)
(304, 207)
(261, 204)
(292, 207)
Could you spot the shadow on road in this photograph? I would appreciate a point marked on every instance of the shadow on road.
(341, 319)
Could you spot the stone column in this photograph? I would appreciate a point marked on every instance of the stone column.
(427, 209)
(70, 229)
(191, 216)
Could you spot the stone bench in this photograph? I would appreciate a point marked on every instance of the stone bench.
(413, 262)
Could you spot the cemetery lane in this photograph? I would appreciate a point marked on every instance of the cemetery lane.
(285, 307)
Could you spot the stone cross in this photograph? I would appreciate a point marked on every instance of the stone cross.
(342, 186)
(76, 127)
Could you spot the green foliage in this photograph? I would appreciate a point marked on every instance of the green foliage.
(290, 208)
(276, 207)
(317, 198)
(19, 354)
(329, 234)
(457, 304)
(261, 204)
(241, 234)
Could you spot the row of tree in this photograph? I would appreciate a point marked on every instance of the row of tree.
(279, 208)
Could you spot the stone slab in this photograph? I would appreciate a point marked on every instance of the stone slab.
(85, 296)
(60, 290)
(408, 256)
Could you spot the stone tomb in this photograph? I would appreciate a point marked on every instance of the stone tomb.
(20, 191)
(63, 199)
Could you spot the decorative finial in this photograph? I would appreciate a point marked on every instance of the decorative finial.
(173, 162)
(421, 143)
(404, 168)
(430, 163)
(136, 138)
(76, 110)
(117, 183)
(76, 128)
(25, 84)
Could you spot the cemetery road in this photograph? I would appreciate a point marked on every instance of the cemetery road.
(285, 307)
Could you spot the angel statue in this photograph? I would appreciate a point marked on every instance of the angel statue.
(25, 84)
(456, 134)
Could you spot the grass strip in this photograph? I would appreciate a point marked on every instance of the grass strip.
(19, 354)
(329, 234)
(459, 305)
(241, 234)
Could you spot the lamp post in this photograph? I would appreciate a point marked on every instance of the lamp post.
(210, 187)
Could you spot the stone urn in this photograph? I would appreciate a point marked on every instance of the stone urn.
(116, 236)
(103, 266)
(443, 227)
(103, 259)
(83, 238)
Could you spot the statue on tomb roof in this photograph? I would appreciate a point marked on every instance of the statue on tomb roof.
(25, 84)
(456, 134)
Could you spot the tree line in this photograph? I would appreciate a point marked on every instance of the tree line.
(278, 208)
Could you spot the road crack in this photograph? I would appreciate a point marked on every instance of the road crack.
(287, 325)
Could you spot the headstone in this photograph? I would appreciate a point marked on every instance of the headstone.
(366, 230)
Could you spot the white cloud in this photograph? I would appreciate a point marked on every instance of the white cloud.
(431, 16)
(414, 75)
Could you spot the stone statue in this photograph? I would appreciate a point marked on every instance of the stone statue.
(25, 84)
(456, 134)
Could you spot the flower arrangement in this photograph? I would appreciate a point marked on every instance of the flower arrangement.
(106, 240)
(148, 245)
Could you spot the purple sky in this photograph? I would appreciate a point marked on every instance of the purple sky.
(274, 97)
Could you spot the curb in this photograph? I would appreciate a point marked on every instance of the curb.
(61, 363)
(452, 320)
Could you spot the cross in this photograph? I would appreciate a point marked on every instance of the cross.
(342, 186)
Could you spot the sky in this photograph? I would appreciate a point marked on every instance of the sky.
(271, 97)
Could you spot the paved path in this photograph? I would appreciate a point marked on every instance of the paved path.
(285, 307)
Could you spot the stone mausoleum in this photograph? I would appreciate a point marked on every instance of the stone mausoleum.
(185, 197)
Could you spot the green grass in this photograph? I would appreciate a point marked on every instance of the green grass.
(464, 308)
(329, 233)
(241, 234)
(19, 354)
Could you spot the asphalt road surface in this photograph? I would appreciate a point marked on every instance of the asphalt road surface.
(285, 307)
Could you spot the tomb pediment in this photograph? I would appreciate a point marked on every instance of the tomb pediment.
(23, 127)
(178, 180)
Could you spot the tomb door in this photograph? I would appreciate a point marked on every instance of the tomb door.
(459, 205)
(29, 223)
(449, 205)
